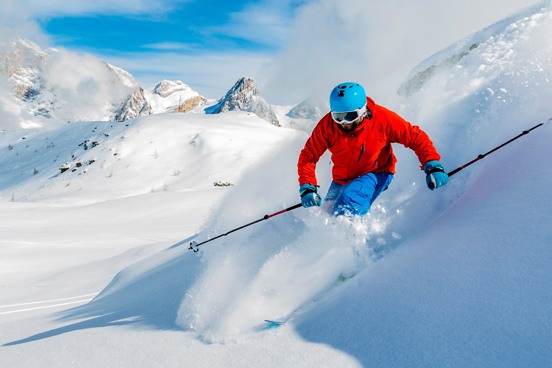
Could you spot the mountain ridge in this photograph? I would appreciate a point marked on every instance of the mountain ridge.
(46, 87)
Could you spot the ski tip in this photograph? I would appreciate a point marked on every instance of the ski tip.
(273, 324)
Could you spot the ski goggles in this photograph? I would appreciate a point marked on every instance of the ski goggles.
(348, 117)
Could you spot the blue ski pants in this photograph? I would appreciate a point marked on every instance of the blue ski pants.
(356, 197)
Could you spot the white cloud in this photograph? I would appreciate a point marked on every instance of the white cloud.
(105, 7)
(83, 83)
(169, 46)
(372, 41)
(16, 21)
(266, 22)
(10, 110)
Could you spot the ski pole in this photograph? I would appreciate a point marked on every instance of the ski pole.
(195, 246)
(480, 156)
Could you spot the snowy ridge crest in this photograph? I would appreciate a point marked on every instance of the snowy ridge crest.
(446, 60)
(55, 86)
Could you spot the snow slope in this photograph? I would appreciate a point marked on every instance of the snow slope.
(456, 277)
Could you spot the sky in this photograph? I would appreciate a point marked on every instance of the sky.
(95, 269)
(211, 44)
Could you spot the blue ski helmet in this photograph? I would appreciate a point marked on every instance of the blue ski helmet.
(348, 96)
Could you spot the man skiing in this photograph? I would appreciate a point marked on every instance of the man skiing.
(359, 133)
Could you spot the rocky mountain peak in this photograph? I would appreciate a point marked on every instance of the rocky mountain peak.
(244, 96)
(135, 106)
(21, 63)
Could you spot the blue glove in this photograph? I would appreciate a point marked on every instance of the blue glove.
(309, 196)
(436, 175)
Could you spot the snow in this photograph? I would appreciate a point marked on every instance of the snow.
(95, 268)
(167, 95)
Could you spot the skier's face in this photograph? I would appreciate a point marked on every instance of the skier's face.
(350, 120)
(352, 126)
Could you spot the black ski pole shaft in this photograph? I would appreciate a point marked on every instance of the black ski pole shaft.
(479, 157)
(195, 246)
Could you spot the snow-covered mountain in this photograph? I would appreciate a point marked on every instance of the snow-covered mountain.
(54, 85)
(22, 62)
(309, 109)
(96, 270)
(135, 106)
(244, 96)
(174, 96)
(165, 96)
(48, 86)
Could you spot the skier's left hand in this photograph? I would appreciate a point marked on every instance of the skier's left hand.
(435, 174)
(309, 195)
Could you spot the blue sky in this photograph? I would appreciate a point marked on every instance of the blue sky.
(186, 26)
(293, 48)
(167, 39)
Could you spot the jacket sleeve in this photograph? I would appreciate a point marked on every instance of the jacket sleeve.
(413, 137)
(314, 148)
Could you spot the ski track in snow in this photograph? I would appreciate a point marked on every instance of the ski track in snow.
(45, 304)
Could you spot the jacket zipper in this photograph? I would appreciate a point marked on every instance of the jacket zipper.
(361, 152)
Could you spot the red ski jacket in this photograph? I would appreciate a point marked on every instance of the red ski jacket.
(366, 149)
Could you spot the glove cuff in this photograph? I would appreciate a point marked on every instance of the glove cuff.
(433, 166)
(435, 169)
(305, 189)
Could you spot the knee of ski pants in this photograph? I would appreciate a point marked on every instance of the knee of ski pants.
(357, 197)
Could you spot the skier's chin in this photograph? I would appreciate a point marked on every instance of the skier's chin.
(348, 127)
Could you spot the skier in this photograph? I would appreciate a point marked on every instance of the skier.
(359, 133)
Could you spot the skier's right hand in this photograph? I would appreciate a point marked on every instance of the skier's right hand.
(309, 195)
